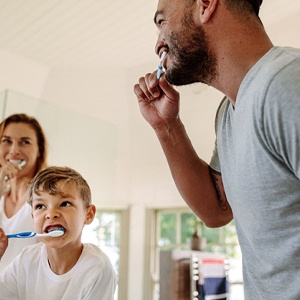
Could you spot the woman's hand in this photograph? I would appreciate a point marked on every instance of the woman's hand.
(8, 172)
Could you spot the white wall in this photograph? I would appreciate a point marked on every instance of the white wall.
(22, 75)
(96, 98)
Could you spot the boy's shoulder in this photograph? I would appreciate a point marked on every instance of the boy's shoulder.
(94, 261)
(94, 255)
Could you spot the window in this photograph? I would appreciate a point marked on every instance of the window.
(106, 231)
(174, 229)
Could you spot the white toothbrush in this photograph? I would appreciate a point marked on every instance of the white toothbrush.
(160, 67)
(19, 163)
(29, 234)
(22, 163)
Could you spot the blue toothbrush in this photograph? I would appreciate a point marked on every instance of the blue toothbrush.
(160, 67)
(29, 234)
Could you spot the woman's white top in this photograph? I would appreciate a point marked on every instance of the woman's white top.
(21, 221)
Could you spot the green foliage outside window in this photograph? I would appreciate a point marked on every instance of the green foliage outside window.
(176, 229)
(109, 228)
(168, 229)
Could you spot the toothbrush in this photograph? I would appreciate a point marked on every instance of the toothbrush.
(20, 163)
(160, 67)
(29, 234)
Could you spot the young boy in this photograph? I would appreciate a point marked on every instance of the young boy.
(59, 267)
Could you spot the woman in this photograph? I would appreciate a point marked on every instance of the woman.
(22, 154)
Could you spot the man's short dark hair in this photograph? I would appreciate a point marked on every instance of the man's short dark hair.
(244, 6)
(256, 5)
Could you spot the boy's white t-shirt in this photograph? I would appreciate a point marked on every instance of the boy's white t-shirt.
(29, 277)
(21, 221)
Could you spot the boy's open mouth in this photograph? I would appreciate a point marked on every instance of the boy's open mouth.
(54, 227)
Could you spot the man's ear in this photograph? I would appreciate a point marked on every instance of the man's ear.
(90, 214)
(206, 9)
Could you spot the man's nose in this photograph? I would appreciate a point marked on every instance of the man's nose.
(159, 44)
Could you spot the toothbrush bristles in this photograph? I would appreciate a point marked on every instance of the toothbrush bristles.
(56, 232)
(22, 163)
(163, 56)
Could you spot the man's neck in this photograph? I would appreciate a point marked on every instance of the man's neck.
(238, 46)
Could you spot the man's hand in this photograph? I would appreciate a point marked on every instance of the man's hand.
(158, 100)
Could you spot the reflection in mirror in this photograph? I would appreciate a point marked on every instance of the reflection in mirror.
(75, 140)
(89, 146)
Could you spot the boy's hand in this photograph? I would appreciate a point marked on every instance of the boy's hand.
(3, 242)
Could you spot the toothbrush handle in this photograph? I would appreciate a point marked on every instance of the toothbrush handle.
(27, 234)
(159, 72)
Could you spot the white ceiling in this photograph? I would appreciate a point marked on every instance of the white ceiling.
(77, 33)
(103, 33)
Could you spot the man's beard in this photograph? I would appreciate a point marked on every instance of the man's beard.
(192, 59)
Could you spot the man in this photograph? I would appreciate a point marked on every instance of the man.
(254, 174)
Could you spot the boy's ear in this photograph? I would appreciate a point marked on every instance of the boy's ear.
(90, 214)
(206, 9)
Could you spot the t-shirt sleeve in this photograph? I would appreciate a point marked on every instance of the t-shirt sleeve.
(102, 281)
(104, 286)
(215, 162)
(281, 120)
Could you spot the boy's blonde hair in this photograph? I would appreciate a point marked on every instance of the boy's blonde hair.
(47, 179)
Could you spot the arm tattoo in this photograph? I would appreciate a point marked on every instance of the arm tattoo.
(222, 200)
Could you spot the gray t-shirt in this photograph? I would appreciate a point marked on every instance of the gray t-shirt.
(258, 154)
